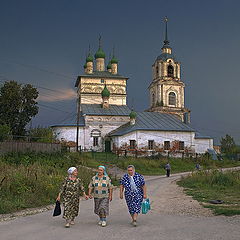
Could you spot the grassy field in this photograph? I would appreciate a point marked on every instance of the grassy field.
(215, 185)
(32, 180)
(153, 166)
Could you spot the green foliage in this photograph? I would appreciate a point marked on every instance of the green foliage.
(4, 132)
(32, 180)
(40, 134)
(17, 105)
(228, 145)
(214, 185)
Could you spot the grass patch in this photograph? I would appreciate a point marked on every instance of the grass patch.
(215, 185)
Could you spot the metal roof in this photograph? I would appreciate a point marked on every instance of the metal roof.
(100, 74)
(199, 135)
(71, 122)
(153, 121)
(113, 110)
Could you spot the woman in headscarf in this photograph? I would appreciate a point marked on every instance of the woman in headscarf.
(70, 194)
(101, 189)
(134, 188)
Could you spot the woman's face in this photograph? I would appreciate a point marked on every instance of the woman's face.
(75, 173)
(130, 171)
(100, 171)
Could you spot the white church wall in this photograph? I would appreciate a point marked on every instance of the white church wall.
(158, 137)
(201, 145)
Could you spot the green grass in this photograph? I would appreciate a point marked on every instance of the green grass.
(215, 185)
(33, 179)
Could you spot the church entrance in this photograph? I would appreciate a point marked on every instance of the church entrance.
(107, 146)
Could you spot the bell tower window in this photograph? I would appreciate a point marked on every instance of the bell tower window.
(153, 99)
(172, 99)
(170, 71)
(157, 71)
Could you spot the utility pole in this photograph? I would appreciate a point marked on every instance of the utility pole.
(78, 116)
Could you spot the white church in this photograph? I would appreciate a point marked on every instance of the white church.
(108, 124)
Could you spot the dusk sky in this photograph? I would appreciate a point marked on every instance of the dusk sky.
(45, 43)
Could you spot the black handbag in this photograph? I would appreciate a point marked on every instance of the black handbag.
(57, 210)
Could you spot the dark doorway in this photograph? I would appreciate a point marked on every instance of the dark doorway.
(107, 146)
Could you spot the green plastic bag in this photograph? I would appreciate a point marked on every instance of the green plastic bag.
(145, 206)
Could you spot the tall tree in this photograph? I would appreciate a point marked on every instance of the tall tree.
(228, 144)
(17, 105)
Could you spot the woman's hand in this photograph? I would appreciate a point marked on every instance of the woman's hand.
(58, 197)
(144, 196)
(110, 198)
(90, 196)
(121, 195)
(86, 197)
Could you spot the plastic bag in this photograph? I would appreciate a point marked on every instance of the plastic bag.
(57, 210)
(145, 206)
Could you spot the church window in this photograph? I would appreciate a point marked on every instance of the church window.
(170, 71)
(157, 71)
(172, 98)
(166, 145)
(95, 141)
(150, 144)
(132, 144)
(181, 145)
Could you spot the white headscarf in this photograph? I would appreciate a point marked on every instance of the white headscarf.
(71, 170)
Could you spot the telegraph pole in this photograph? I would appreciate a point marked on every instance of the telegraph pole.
(78, 115)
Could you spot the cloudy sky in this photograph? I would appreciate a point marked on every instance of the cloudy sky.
(45, 43)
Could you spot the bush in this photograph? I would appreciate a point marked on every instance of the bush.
(4, 132)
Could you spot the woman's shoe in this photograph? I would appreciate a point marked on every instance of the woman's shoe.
(67, 225)
(134, 223)
(104, 223)
(100, 223)
(72, 222)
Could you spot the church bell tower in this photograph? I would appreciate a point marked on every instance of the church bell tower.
(166, 89)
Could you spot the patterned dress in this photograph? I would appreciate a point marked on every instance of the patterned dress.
(70, 193)
(133, 198)
(101, 187)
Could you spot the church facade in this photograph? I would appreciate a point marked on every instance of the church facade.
(107, 123)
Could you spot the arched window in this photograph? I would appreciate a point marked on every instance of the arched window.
(170, 71)
(157, 71)
(172, 98)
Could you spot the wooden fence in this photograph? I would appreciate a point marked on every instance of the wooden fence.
(17, 146)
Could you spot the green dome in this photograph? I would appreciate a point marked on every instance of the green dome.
(133, 115)
(89, 58)
(99, 54)
(114, 60)
(85, 65)
(105, 92)
(109, 66)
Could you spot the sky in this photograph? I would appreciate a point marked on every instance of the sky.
(44, 43)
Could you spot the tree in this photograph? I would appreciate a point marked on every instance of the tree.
(17, 105)
(4, 132)
(40, 134)
(228, 145)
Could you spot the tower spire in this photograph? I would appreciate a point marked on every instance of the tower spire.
(166, 42)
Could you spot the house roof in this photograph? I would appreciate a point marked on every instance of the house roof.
(199, 135)
(71, 122)
(153, 121)
(113, 110)
(100, 74)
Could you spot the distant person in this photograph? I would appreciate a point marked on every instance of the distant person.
(134, 188)
(102, 189)
(168, 169)
(70, 194)
(198, 167)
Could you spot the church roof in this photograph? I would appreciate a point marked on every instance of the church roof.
(100, 74)
(113, 110)
(199, 135)
(165, 56)
(71, 122)
(153, 121)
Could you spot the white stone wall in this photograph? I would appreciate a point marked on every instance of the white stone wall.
(201, 145)
(159, 137)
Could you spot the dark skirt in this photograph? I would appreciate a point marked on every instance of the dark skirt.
(101, 206)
